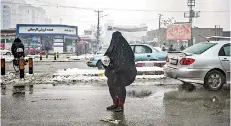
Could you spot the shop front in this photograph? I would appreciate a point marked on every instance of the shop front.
(46, 37)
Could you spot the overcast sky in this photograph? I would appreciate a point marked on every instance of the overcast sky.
(210, 15)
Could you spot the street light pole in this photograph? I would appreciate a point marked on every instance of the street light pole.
(98, 30)
(191, 3)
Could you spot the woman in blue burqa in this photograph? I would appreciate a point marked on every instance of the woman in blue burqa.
(121, 70)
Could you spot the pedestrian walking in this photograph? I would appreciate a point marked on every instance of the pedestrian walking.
(121, 71)
(163, 47)
(182, 47)
(171, 48)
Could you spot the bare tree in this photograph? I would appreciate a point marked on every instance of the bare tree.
(94, 31)
(166, 22)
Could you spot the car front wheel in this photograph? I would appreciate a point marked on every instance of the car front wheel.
(8, 53)
(214, 80)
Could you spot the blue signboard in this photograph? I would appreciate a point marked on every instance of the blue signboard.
(46, 30)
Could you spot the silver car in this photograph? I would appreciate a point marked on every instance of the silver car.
(206, 63)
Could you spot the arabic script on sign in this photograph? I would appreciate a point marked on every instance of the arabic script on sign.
(40, 29)
(179, 32)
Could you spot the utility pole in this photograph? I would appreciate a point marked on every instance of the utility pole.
(98, 30)
(191, 14)
(160, 15)
(159, 31)
(191, 3)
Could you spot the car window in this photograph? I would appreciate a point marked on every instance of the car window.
(199, 48)
(142, 49)
(132, 48)
(225, 50)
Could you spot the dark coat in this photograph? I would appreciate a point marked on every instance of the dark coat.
(17, 44)
(122, 66)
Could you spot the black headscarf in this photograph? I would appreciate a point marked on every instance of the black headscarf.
(17, 40)
(120, 53)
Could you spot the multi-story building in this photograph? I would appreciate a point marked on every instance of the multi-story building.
(132, 33)
(19, 12)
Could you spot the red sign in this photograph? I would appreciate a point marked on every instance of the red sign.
(179, 32)
(2, 46)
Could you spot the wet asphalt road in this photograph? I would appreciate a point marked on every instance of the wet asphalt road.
(80, 105)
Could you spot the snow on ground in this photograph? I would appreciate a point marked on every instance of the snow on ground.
(159, 80)
(93, 75)
(77, 71)
(76, 75)
(81, 57)
(43, 78)
(96, 72)
(7, 58)
(13, 78)
(100, 79)
(149, 68)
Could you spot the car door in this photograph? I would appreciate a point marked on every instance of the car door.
(142, 53)
(224, 56)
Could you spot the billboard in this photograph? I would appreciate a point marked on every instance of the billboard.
(43, 29)
(179, 31)
(135, 29)
(87, 32)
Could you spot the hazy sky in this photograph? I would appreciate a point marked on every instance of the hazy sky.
(210, 15)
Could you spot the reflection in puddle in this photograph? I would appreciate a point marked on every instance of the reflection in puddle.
(19, 89)
(31, 89)
(196, 108)
(187, 87)
(139, 94)
(116, 119)
(19, 95)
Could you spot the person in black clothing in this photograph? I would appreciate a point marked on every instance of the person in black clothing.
(121, 71)
(182, 47)
(15, 46)
(171, 48)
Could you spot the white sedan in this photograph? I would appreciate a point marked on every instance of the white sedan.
(5, 51)
(206, 63)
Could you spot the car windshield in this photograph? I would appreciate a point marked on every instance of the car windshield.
(158, 49)
(199, 48)
(102, 51)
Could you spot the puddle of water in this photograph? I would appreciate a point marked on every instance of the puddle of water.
(200, 106)
(139, 94)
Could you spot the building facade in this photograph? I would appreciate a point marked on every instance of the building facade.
(132, 33)
(19, 12)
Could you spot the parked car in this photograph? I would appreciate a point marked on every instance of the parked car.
(32, 51)
(4, 51)
(206, 63)
(143, 52)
